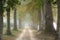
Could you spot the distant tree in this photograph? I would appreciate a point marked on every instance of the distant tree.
(19, 22)
(15, 21)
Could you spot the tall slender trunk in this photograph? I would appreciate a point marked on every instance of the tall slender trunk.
(58, 23)
(1, 25)
(48, 17)
(15, 20)
(1, 19)
(19, 23)
(8, 22)
(43, 13)
(42, 19)
(39, 15)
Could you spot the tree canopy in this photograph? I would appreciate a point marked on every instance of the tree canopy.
(12, 3)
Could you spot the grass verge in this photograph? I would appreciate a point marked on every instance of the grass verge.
(13, 36)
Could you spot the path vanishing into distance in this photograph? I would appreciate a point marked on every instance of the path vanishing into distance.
(27, 34)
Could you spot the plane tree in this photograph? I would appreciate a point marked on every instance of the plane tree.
(1, 17)
(10, 4)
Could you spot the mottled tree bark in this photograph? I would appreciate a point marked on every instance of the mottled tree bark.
(48, 17)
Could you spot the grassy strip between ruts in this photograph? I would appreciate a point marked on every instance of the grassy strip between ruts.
(13, 36)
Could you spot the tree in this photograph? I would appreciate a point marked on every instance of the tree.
(10, 4)
(39, 15)
(58, 23)
(41, 19)
(15, 21)
(1, 17)
(42, 16)
(8, 21)
(15, 11)
(37, 6)
(19, 23)
(48, 17)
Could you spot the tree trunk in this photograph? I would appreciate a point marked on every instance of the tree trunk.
(1, 19)
(42, 19)
(43, 14)
(15, 20)
(48, 17)
(19, 23)
(39, 15)
(58, 23)
(8, 22)
(1, 24)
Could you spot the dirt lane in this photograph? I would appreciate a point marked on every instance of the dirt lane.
(26, 34)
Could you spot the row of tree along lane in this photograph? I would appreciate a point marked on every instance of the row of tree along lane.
(45, 9)
(10, 4)
(1, 17)
(58, 23)
(49, 18)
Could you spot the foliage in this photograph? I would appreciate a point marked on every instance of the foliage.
(54, 1)
(4, 1)
(38, 3)
(51, 1)
(12, 3)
